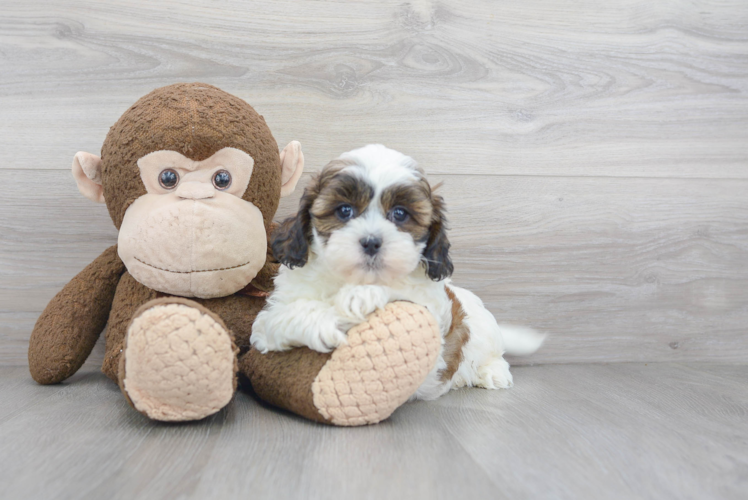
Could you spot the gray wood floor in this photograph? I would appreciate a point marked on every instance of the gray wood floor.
(624, 431)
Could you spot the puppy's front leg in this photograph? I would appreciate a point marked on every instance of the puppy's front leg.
(354, 303)
(309, 323)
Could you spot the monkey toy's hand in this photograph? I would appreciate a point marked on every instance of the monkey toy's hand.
(67, 330)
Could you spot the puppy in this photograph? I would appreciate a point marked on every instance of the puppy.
(370, 231)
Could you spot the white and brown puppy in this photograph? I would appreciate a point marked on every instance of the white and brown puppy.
(370, 231)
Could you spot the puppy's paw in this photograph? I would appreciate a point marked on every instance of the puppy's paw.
(259, 338)
(259, 342)
(327, 339)
(494, 375)
(356, 302)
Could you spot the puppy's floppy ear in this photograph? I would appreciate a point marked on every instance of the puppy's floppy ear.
(290, 242)
(436, 253)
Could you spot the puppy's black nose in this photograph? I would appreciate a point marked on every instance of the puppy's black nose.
(371, 245)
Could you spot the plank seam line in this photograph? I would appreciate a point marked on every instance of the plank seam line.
(552, 176)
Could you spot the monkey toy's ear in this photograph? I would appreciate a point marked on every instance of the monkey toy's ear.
(292, 166)
(87, 173)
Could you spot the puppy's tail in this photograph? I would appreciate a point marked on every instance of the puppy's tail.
(521, 341)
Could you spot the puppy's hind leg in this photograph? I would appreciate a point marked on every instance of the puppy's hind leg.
(483, 364)
(494, 374)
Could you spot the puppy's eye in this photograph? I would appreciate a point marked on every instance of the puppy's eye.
(168, 178)
(222, 179)
(344, 212)
(398, 215)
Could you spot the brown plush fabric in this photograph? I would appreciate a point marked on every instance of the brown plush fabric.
(238, 312)
(284, 379)
(68, 328)
(196, 120)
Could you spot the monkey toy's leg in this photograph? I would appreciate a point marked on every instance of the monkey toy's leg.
(362, 382)
(178, 361)
(173, 358)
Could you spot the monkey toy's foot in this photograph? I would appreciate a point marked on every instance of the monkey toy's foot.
(386, 359)
(178, 362)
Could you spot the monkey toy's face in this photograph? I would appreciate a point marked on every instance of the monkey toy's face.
(192, 194)
(192, 233)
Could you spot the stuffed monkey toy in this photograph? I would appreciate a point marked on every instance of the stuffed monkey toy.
(191, 177)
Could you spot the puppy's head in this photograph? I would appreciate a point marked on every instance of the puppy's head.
(372, 217)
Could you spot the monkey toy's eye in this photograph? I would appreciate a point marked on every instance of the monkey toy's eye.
(222, 179)
(168, 178)
(399, 215)
(344, 212)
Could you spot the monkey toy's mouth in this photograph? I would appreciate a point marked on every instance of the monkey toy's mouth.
(192, 270)
(203, 248)
(202, 283)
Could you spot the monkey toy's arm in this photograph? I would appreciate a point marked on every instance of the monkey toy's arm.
(67, 330)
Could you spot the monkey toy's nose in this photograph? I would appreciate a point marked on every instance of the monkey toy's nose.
(193, 190)
(371, 245)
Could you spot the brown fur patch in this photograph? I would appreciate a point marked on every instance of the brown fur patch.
(416, 199)
(334, 188)
(455, 339)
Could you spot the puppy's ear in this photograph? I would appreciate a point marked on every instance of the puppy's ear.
(290, 242)
(436, 253)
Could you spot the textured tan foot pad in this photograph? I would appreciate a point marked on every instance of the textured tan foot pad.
(179, 363)
(385, 361)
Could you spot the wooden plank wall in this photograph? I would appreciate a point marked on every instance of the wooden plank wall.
(594, 154)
